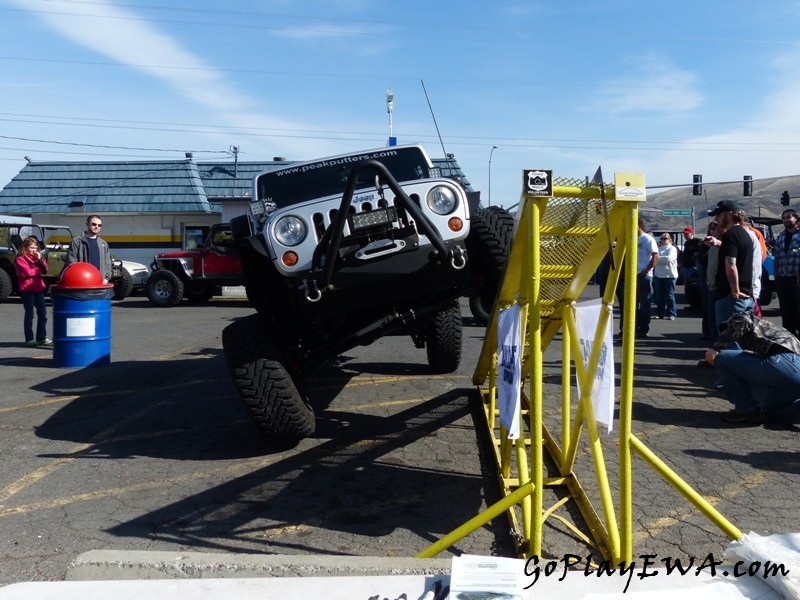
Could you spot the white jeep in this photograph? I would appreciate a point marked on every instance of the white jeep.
(338, 252)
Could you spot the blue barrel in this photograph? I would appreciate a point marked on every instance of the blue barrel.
(81, 327)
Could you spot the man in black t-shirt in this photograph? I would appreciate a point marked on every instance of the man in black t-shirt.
(734, 276)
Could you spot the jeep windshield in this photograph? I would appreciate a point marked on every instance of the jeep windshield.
(328, 177)
(50, 236)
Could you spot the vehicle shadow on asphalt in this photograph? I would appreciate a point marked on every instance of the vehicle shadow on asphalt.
(179, 409)
(186, 398)
(363, 481)
(367, 475)
(384, 368)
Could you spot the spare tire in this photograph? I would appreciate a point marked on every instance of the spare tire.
(491, 233)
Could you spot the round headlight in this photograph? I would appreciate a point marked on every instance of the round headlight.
(290, 230)
(442, 200)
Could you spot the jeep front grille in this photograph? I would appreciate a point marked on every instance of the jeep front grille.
(322, 220)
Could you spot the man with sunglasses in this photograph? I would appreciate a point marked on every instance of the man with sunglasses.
(91, 248)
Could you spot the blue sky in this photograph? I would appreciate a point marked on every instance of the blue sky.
(664, 88)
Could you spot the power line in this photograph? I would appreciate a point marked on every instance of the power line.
(396, 32)
(83, 145)
(398, 27)
(341, 75)
(322, 134)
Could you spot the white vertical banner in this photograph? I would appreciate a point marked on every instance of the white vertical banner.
(509, 367)
(587, 315)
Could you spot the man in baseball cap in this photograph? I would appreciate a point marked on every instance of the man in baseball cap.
(734, 274)
(722, 207)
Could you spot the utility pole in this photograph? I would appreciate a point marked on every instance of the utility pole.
(490, 173)
(235, 152)
(390, 110)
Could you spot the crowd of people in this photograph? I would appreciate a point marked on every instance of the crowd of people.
(756, 361)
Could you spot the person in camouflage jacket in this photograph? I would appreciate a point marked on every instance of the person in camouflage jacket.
(753, 357)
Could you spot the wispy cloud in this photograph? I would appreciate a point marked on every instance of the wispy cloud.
(762, 143)
(654, 85)
(117, 34)
(123, 37)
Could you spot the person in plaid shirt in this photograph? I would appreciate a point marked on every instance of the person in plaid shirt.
(752, 354)
(787, 271)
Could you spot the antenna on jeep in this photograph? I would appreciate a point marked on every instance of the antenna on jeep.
(446, 156)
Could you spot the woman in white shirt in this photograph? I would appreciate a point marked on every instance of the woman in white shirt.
(665, 274)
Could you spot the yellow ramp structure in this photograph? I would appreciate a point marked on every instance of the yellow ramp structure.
(560, 240)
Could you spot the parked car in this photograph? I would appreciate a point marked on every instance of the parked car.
(133, 278)
(196, 274)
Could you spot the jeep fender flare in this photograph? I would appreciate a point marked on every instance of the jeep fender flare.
(256, 244)
(241, 227)
(176, 265)
(242, 230)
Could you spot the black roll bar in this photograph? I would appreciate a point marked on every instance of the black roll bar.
(332, 238)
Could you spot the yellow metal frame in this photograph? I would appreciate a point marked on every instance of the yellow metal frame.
(559, 243)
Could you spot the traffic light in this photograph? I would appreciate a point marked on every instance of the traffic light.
(697, 188)
(748, 185)
(785, 198)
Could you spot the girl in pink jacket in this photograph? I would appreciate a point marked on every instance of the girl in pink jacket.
(30, 266)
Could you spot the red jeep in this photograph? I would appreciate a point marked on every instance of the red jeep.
(196, 274)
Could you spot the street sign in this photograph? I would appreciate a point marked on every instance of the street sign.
(677, 212)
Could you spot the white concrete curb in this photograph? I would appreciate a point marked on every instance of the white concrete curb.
(103, 565)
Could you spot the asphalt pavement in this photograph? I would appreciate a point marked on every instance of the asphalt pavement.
(154, 452)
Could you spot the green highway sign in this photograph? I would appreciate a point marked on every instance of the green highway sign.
(680, 212)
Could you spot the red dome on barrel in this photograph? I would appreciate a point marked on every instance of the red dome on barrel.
(80, 276)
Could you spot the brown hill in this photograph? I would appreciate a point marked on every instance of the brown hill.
(765, 201)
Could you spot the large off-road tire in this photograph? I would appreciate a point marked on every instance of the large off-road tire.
(264, 384)
(123, 286)
(443, 339)
(164, 288)
(5, 285)
(198, 292)
(491, 233)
